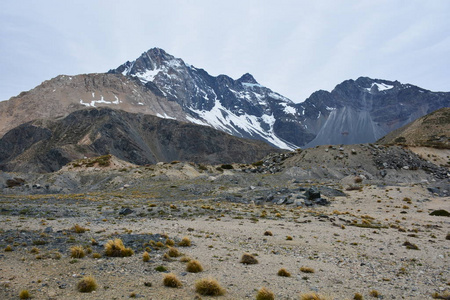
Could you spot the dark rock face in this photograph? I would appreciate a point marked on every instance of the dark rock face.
(140, 139)
(356, 111)
(364, 110)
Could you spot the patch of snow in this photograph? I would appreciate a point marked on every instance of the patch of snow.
(251, 85)
(330, 108)
(54, 90)
(289, 109)
(102, 100)
(140, 103)
(320, 113)
(148, 75)
(165, 116)
(381, 86)
(93, 95)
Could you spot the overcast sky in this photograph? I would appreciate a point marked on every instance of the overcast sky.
(294, 47)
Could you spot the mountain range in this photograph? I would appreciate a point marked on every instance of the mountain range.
(159, 84)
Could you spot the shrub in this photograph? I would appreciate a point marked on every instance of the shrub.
(288, 238)
(268, 233)
(248, 259)
(265, 294)
(194, 266)
(227, 167)
(117, 249)
(374, 293)
(170, 280)
(24, 294)
(78, 229)
(410, 245)
(170, 242)
(312, 296)
(161, 269)
(358, 296)
(358, 179)
(447, 237)
(8, 248)
(209, 287)
(145, 256)
(307, 270)
(284, 273)
(34, 250)
(96, 255)
(173, 252)
(77, 252)
(185, 242)
(87, 284)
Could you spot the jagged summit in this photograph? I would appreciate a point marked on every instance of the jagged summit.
(247, 78)
(240, 107)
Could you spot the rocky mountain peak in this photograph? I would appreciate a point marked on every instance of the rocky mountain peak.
(247, 78)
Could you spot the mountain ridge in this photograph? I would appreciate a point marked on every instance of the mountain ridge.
(46, 145)
(157, 83)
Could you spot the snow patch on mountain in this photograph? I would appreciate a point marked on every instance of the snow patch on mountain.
(381, 86)
(101, 101)
(223, 119)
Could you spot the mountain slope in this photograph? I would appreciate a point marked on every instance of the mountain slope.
(432, 130)
(356, 111)
(157, 83)
(62, 95)
(364, 110)
(240, 107)
(46, 145)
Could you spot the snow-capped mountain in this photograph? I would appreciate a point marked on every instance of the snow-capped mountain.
(157, 83)
(354, 112)
(240, 107)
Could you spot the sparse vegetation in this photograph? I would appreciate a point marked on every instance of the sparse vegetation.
(173, 252)
(115, 248)
(410, 245)
(283, 273)
(358, 296)
(248, 259)
(171, 280)
(194, 266)
(265, 294)
(77, 252)
(209, 287)
(78, 229)
(185, 242)
(87, 284)
(24, 294)
(306, 269)
(374, 293)
(312, 296)
(161, 269)
(145, 256)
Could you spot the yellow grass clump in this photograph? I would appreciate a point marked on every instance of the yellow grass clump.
(87, 284)
(115, 248)
(170, 280)
(265, 294)
(194, 266)
(209, 287)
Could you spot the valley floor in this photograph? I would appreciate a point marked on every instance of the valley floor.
(355, 245)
